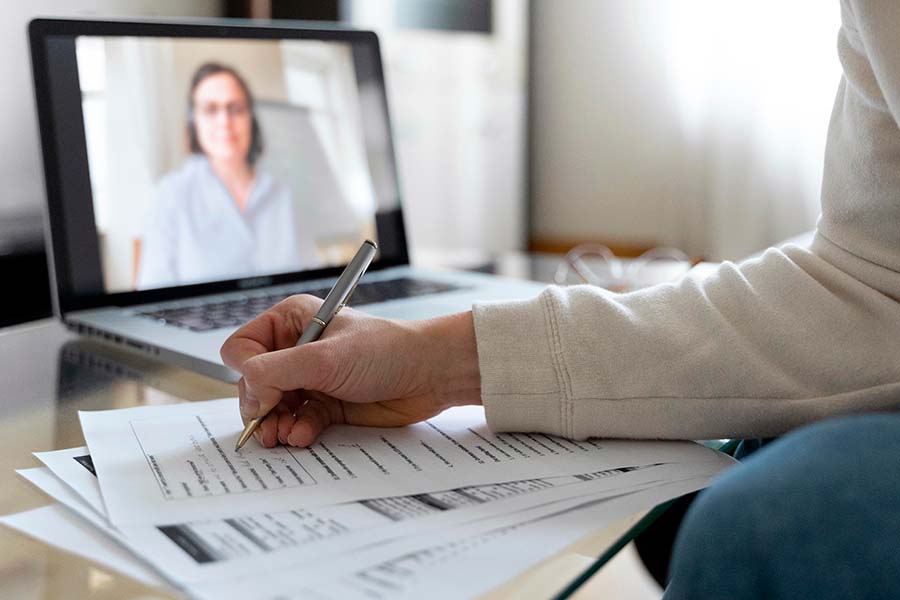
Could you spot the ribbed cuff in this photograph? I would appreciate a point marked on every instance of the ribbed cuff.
(520, 385)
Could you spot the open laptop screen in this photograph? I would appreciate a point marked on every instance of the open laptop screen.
(217, 159)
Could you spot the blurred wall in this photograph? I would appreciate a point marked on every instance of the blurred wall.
(603, 130)
(458, 108)
(694, 123)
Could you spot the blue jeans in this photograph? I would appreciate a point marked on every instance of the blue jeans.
(814, 514)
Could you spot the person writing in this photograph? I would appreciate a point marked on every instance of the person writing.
(755, 350)
(220, 216)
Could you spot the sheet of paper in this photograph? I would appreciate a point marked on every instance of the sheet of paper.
(175, 463)
(234, 547)
(454, 563)
(53, 486)
(222, 548)
(75, 467)
(46, 481)
(59, 527)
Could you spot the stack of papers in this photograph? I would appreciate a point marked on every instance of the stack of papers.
(444, 507)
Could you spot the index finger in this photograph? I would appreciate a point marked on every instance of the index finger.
(275, 329)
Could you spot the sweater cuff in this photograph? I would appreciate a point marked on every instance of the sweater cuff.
(520, 379)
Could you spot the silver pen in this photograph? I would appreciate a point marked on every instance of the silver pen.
(335, 300)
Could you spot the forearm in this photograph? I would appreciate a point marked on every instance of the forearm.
(753, 350)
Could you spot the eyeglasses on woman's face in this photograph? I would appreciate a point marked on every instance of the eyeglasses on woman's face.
(210, 110)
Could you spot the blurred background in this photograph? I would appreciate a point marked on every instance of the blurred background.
(535, 125)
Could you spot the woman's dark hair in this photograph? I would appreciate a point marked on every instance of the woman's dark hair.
(207, 70)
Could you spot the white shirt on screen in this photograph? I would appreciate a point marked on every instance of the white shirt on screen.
(195, 231)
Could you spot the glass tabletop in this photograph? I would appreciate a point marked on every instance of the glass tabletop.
(46, 376)
(49, 374)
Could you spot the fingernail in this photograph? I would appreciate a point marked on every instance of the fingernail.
(249, 408)
(296, 438)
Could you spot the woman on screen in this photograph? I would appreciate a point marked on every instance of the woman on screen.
(220, 216)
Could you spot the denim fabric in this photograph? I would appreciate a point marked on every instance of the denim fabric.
(814, 514)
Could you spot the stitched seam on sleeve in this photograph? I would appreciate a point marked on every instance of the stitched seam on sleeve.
(567, 378)
(559, 367)
(551, 341)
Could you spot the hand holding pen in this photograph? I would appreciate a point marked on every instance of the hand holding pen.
(336, 299)
(367, 371)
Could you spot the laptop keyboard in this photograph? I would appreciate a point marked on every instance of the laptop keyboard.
(237, 311)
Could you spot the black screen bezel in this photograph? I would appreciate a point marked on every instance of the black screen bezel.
(74, 177)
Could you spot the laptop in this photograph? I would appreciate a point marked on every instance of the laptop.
(199, 172)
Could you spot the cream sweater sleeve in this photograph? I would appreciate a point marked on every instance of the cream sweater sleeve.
(755, 349)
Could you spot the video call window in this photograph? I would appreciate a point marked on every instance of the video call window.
(221, 159)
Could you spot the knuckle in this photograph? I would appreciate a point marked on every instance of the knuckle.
(301, 302)
(297, 310)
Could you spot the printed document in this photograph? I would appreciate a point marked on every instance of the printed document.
(221, 548)
(424, 564)
(388, 569)
(75, 467)
(460, 562)
(160, 465)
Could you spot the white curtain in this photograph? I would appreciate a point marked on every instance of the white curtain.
(754, 84)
